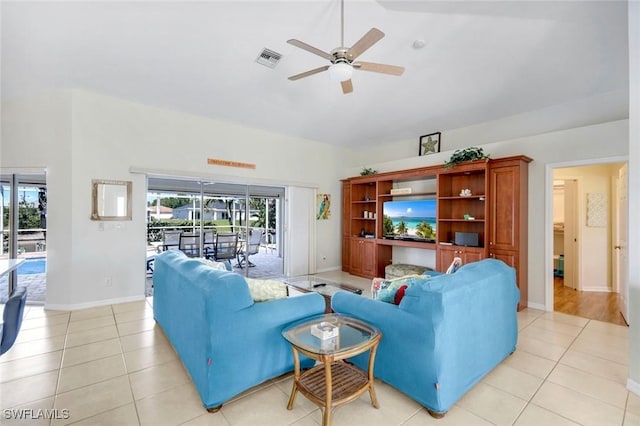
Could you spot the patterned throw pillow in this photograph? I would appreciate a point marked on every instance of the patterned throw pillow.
(264, 290)
(455, 265)
(221, 266)
(388, 294)
(399, 295)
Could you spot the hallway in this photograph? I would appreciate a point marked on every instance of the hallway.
(602, 306)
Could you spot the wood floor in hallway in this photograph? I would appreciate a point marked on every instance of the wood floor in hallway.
(602, 306)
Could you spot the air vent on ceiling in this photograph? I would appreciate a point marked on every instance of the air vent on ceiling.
(269, 58)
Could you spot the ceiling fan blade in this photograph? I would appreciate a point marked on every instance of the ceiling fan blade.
(308, 73)
(369, 39)
(309, 48)
(347, 86)
(381, 68)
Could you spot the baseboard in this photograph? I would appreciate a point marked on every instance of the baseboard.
(601, 289)
(93, 304)
(330, 269)
(633, 386)
(538, 306)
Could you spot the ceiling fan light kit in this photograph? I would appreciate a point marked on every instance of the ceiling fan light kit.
(340, 71)
(342, 58)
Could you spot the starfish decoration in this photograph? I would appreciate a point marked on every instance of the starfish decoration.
(429, 145)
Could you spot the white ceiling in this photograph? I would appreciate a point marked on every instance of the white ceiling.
(483, 60)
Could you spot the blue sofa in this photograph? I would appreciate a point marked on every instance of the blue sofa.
(226, 342)
(447, 333)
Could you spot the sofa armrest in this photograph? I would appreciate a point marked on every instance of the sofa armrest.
(385, 316)
(286, 310)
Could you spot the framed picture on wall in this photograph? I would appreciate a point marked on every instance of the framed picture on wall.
(429, 144)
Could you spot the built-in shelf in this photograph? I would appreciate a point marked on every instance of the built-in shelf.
(406, 243)
(460, 220)
(410, 194)
(459, 197)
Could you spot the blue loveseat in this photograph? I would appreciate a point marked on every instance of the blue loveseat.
(226, 342)
(447, 333)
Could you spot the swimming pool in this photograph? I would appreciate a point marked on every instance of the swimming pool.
(37, 265)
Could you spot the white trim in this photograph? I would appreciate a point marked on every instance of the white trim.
(538, 306)
(94, 304)
(329, 269)
(244, 180)
(633, 386)
(23, 170)
(600, 289)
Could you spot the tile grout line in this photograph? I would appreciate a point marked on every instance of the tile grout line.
(546, 378)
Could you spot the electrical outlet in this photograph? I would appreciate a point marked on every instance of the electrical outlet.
(108, 282)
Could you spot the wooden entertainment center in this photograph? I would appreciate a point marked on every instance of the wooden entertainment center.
(495, 210)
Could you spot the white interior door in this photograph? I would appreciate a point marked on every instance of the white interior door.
(571, 227)
(620, 248)
(299, 231)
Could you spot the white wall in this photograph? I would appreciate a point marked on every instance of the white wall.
(36, 134)
(579, 144)
(104, 138)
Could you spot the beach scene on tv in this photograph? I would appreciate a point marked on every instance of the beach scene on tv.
(412, 218)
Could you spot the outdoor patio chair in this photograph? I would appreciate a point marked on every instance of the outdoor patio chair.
(251, 246)
(12, 318)
(209, 244)
(170, 239)
(226, 246)
(190, 244)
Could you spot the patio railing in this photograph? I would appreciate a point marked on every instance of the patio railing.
(30, 241)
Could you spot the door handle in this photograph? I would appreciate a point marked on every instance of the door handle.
(617, 247)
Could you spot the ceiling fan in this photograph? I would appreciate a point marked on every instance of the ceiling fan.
(343, 59)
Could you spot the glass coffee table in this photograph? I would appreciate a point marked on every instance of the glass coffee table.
(333, 382)
(324, 287)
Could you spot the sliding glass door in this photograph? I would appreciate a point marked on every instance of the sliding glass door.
(23, 226)
(198, 212)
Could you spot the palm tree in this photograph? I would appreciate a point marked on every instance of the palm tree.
(387, 225)
(402, 228)
(425, 230)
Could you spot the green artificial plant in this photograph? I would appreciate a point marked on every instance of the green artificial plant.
(467, 154)
(368, 171)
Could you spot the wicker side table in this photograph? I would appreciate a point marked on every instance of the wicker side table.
(334, 382)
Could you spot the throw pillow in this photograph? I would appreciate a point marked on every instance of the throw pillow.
(377, 285)
(388, 294)
(221, 266)
(399, 295)
(264, 290)
(455, 265)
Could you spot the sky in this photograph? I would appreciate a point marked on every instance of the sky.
(31, 195)
(410, 208)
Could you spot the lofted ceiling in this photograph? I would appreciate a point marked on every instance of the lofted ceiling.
(481, 61)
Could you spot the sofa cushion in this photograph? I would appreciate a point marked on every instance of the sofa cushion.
(263, 290)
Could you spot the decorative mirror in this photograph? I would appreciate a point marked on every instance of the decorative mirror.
(110, 200)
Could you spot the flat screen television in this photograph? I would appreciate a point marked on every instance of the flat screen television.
(410, 220)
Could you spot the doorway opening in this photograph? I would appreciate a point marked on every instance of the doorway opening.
(195, 215)
(23, 230)
(586, 217)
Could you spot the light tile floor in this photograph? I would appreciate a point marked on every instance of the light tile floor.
(112, 365)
